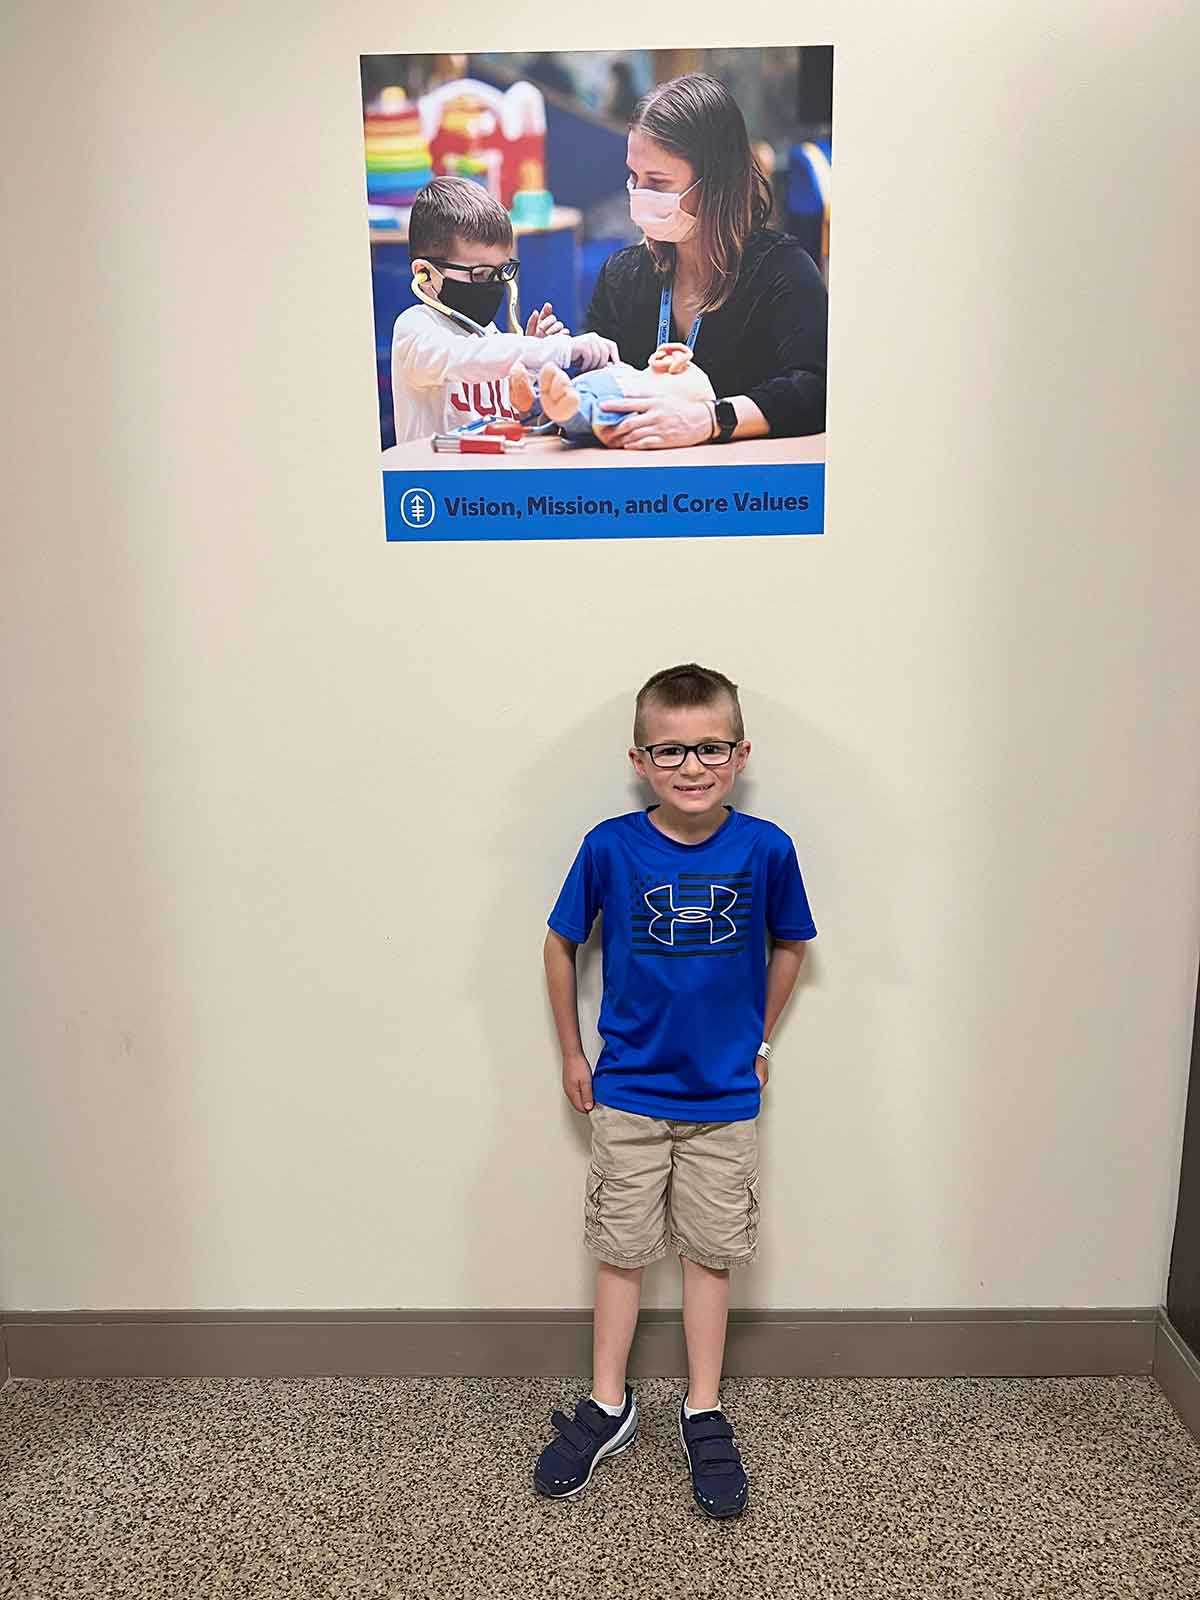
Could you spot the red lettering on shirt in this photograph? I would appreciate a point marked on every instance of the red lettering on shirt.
(484, 399)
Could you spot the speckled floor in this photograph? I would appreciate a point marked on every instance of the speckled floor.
(173, 1489)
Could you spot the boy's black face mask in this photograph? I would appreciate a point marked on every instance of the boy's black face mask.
(479, 301)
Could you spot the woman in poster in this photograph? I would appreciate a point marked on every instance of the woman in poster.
(748, 300)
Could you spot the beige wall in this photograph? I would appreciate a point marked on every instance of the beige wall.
(287, 807)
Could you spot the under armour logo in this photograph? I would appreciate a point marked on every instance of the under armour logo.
(666, 914)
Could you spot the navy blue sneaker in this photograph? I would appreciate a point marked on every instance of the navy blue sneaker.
(566, 1465)
(719, 1482)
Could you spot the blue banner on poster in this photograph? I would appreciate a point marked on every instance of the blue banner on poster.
(599, 503)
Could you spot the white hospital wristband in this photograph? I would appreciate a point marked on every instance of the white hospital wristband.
(764, 1049)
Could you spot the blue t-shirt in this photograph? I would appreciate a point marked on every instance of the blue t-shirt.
(685, 958)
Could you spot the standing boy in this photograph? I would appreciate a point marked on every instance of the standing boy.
(689, 889)
(444, 372)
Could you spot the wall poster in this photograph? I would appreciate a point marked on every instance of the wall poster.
(600, 284)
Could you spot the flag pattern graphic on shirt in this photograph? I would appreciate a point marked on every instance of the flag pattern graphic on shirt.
(697, 915)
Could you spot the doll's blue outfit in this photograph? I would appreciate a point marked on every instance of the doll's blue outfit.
(591, 389)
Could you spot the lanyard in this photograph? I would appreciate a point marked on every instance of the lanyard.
(664, 320)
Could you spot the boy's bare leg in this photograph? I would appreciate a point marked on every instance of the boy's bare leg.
(618, 1295)
(705, 1315)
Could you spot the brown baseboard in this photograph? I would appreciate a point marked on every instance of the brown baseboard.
(1177, 1373)
(497, 1343)
(1009, 1342)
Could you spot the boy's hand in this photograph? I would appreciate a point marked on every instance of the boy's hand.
(589, 350)
(543, 323)
(761, 1071)
(577, 1082)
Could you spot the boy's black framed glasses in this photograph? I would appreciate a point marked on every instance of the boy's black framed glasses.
(504, 273)
(712, 753)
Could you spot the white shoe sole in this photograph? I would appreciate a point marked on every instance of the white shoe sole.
(617, 1445)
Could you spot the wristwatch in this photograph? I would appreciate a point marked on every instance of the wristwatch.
(726, 419)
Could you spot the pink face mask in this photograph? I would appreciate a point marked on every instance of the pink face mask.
(660, 216)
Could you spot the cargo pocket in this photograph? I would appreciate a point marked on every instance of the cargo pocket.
(591, 1200)
(752, 1211)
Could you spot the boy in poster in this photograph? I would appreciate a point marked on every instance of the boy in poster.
(450, 364)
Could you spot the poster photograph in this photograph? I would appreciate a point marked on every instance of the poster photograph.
(600, 287)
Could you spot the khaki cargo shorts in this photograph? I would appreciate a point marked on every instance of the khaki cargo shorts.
(651, 1184)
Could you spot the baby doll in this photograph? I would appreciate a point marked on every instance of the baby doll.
(577, 404)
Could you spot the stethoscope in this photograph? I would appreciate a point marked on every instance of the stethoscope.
(466, 322)
(664, 311)
(460, 316)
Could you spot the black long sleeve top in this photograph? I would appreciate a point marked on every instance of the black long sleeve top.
(768, 341)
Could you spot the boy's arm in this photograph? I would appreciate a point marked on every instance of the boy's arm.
(787, 957)
(561, 986)
(431, 356)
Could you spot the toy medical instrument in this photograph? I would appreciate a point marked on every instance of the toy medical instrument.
(475, 444)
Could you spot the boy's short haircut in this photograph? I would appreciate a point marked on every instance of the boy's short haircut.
(455, 208)
(688, 685)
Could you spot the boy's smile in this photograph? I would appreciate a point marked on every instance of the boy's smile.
(691, 797)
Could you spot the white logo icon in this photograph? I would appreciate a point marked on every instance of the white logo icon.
(720, 924)
(418, 507)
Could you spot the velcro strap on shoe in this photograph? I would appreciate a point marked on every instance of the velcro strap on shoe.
(713, 1428)
(578, 1438)
(715, 1453)
(589, 1415)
